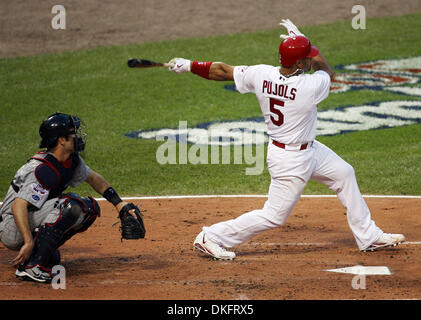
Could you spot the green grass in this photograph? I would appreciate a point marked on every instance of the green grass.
(113, 100)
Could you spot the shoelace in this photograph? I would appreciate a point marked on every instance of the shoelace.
(222, 248)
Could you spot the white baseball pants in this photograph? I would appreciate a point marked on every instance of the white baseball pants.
(290, 171)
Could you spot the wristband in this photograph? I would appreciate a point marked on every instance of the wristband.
(111, 195)
(201, 68)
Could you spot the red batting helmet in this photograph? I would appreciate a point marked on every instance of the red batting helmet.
(295, 48)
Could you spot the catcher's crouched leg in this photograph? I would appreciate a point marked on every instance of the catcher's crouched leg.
(87, 210)
(76, 215)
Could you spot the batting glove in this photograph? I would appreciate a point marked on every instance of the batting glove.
(179, 65)
(291, 28)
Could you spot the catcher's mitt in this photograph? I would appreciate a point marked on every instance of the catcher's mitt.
(131, 228)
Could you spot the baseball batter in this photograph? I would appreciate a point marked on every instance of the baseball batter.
(37, 217)
(288, 98)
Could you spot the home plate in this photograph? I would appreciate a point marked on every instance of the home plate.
(362, 270)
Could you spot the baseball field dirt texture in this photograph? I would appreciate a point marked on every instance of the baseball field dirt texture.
(312, 257)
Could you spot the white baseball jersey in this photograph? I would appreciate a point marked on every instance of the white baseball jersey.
(289, 105)
(30, 188)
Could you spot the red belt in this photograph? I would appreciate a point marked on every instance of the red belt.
(282, 145)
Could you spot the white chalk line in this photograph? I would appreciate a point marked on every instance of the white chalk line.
(256, 196)
(274, 244)
(205, 196)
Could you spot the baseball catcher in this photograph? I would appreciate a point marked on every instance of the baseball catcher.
(37, 217)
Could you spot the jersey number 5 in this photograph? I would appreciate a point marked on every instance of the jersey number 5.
(273, 102)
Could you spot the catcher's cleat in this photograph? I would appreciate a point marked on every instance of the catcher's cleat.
(209, 247)
(386, 240)
(34, 273)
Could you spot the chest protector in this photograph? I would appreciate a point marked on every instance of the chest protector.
(53, 174)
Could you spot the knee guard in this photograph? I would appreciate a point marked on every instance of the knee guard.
(76, 215)
(84, 210)
(80, 212)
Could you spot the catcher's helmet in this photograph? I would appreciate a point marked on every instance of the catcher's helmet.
(295, 48)
(62, 125)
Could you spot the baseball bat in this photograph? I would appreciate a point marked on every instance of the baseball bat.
(144, 63)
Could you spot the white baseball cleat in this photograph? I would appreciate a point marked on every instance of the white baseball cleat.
(35, 273)
(386, 240)
(209, 247)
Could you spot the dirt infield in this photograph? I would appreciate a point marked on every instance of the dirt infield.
(284, 263)
(25, 26)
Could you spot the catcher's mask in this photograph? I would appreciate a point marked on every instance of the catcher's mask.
(295, 48)
(62, 125)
